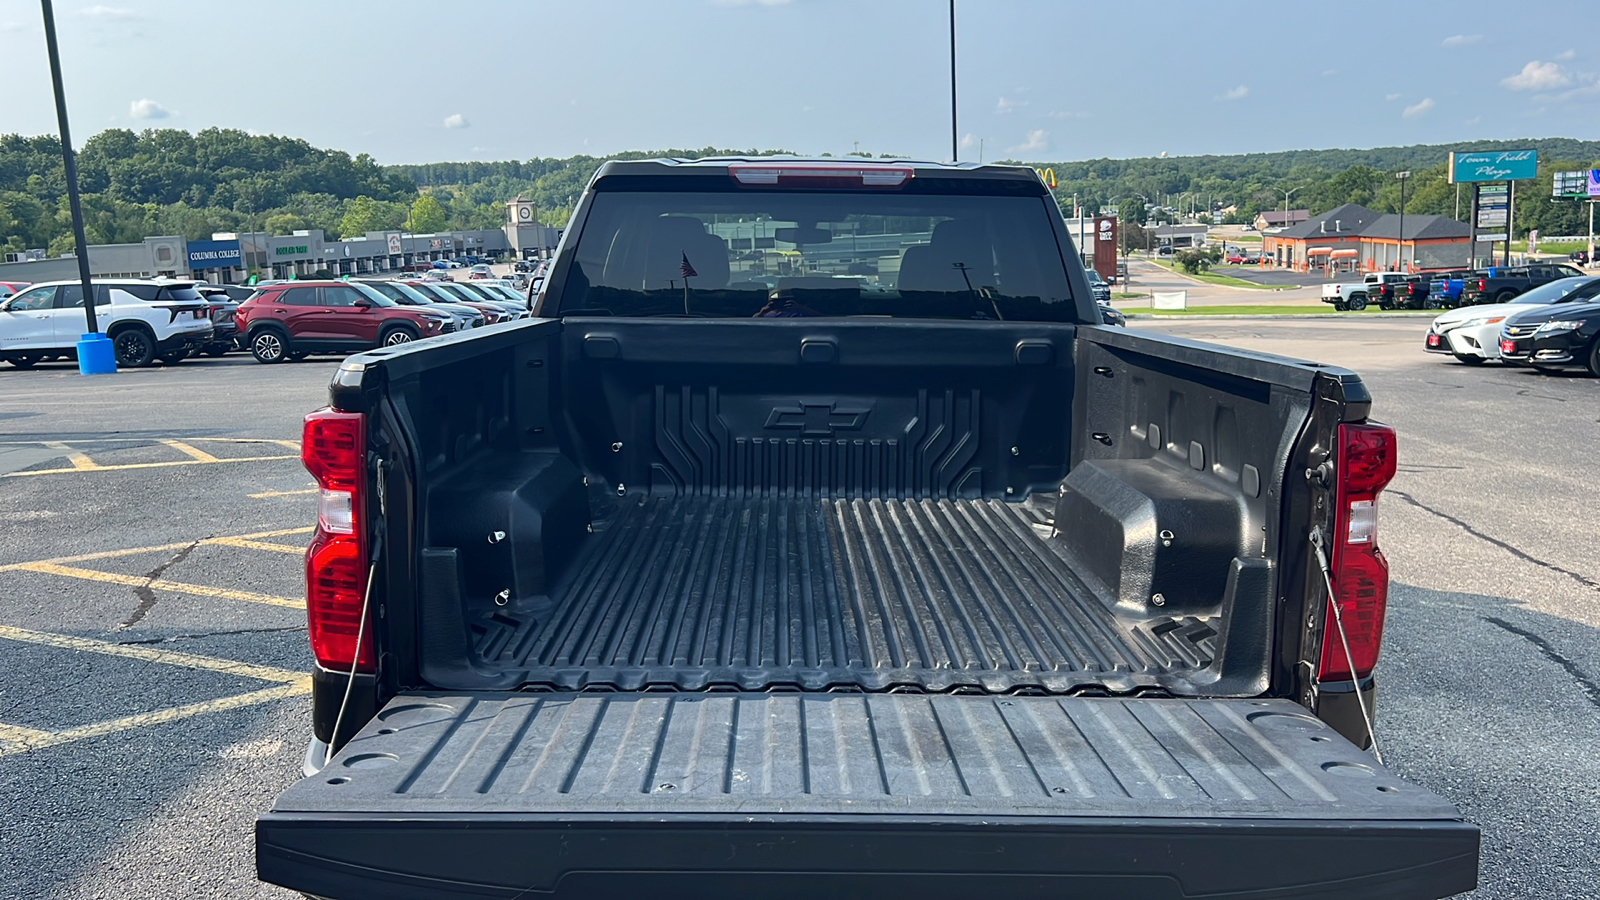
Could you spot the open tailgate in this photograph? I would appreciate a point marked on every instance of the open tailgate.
(791, 795)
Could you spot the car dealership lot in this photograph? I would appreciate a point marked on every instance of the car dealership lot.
(151, 684)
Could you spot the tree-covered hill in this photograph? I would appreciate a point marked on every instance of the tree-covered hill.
(167, 181)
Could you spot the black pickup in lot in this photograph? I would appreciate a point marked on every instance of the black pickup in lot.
(742, 575)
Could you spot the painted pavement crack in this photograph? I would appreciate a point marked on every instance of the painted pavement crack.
(211, 634)
(1591, 689)
(1509, 548)
(147, 597)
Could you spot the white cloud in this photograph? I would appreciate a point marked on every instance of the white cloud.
(1473, 121)
(1537, 76)
(1417, 109)
(148, 109)
(1461, 40)
(456, 120)
(109, 13)
(1038, 141)
(1007, 106)
(968, 141)
(1238, 93)
(1566, 54)
(1391, 97)
(1063, 114)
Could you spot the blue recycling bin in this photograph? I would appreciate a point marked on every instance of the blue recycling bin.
(96, 356)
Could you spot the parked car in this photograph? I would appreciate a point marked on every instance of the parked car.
(480, 271)
(145, 320)
(735, 606)
(290, 321)
(1235, 258)
(1110, 315)
(1472, 333)
(1501, 284)
(451, 292)
(522, 265)
(1355, 295)
(1444, 288)
(493, 313)
(467, 290)
(1555, 336)
(405, 295)
(224, 300)
(9, 288)
(1581, 257)
(1410, 292)
(1099, 286)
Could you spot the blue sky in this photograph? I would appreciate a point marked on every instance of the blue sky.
(1039, 80)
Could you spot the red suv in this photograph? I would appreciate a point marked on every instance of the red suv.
(297, 318)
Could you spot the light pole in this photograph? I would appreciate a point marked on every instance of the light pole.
(1286, 195)
(95, 353)
(1405, 266)
(955, 139)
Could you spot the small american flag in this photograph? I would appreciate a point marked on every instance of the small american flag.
(685, 269)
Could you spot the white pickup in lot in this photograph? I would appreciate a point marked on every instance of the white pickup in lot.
(1353, 295)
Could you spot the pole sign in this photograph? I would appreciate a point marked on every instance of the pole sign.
(1493, 165)
(1494, 205)
(1570, 184)
(214, 255)
(1048, 176)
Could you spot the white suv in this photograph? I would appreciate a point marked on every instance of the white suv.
(145, 320)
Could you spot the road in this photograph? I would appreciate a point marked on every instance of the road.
(1146, 276)
(152, 650)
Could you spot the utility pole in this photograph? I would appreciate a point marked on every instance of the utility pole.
(1405, 265)
(955, 137)
(95, 353)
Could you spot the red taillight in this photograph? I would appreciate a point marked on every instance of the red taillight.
(1483, 284)
(820, 175)
(333, 448)
(1365, 464)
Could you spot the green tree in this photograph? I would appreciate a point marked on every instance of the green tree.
(426, 217)
(284, 223)
(364, 214)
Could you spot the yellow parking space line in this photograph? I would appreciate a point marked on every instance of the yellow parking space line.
(159, 717)
(93, 467)
(80, 461)
(281, 532)
(266, 494)
(292, 445)
(190, 451)
(99, 554)
(200, 590)
(256, 545)
(146, 653)
(16, 734)
(167, 548)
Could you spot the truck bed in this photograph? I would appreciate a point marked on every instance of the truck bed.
(843, 795)
(832, 594)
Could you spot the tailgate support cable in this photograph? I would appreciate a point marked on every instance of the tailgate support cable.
(361, 626)
(1317, 541)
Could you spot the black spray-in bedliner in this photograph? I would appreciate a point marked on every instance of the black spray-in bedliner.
(751, 594)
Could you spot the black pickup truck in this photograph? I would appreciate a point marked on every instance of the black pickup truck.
(871, 567)
(1503, 284)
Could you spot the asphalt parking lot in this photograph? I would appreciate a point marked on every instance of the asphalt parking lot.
(152, 641)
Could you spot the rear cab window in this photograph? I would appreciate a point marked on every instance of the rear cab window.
(770, 253)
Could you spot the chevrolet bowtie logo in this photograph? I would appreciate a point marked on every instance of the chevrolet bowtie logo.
(819, 418)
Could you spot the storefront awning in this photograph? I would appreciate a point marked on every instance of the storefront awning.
(1345, 254)
(1319, 251)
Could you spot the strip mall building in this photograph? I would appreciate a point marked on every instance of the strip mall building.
(1352, 238)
